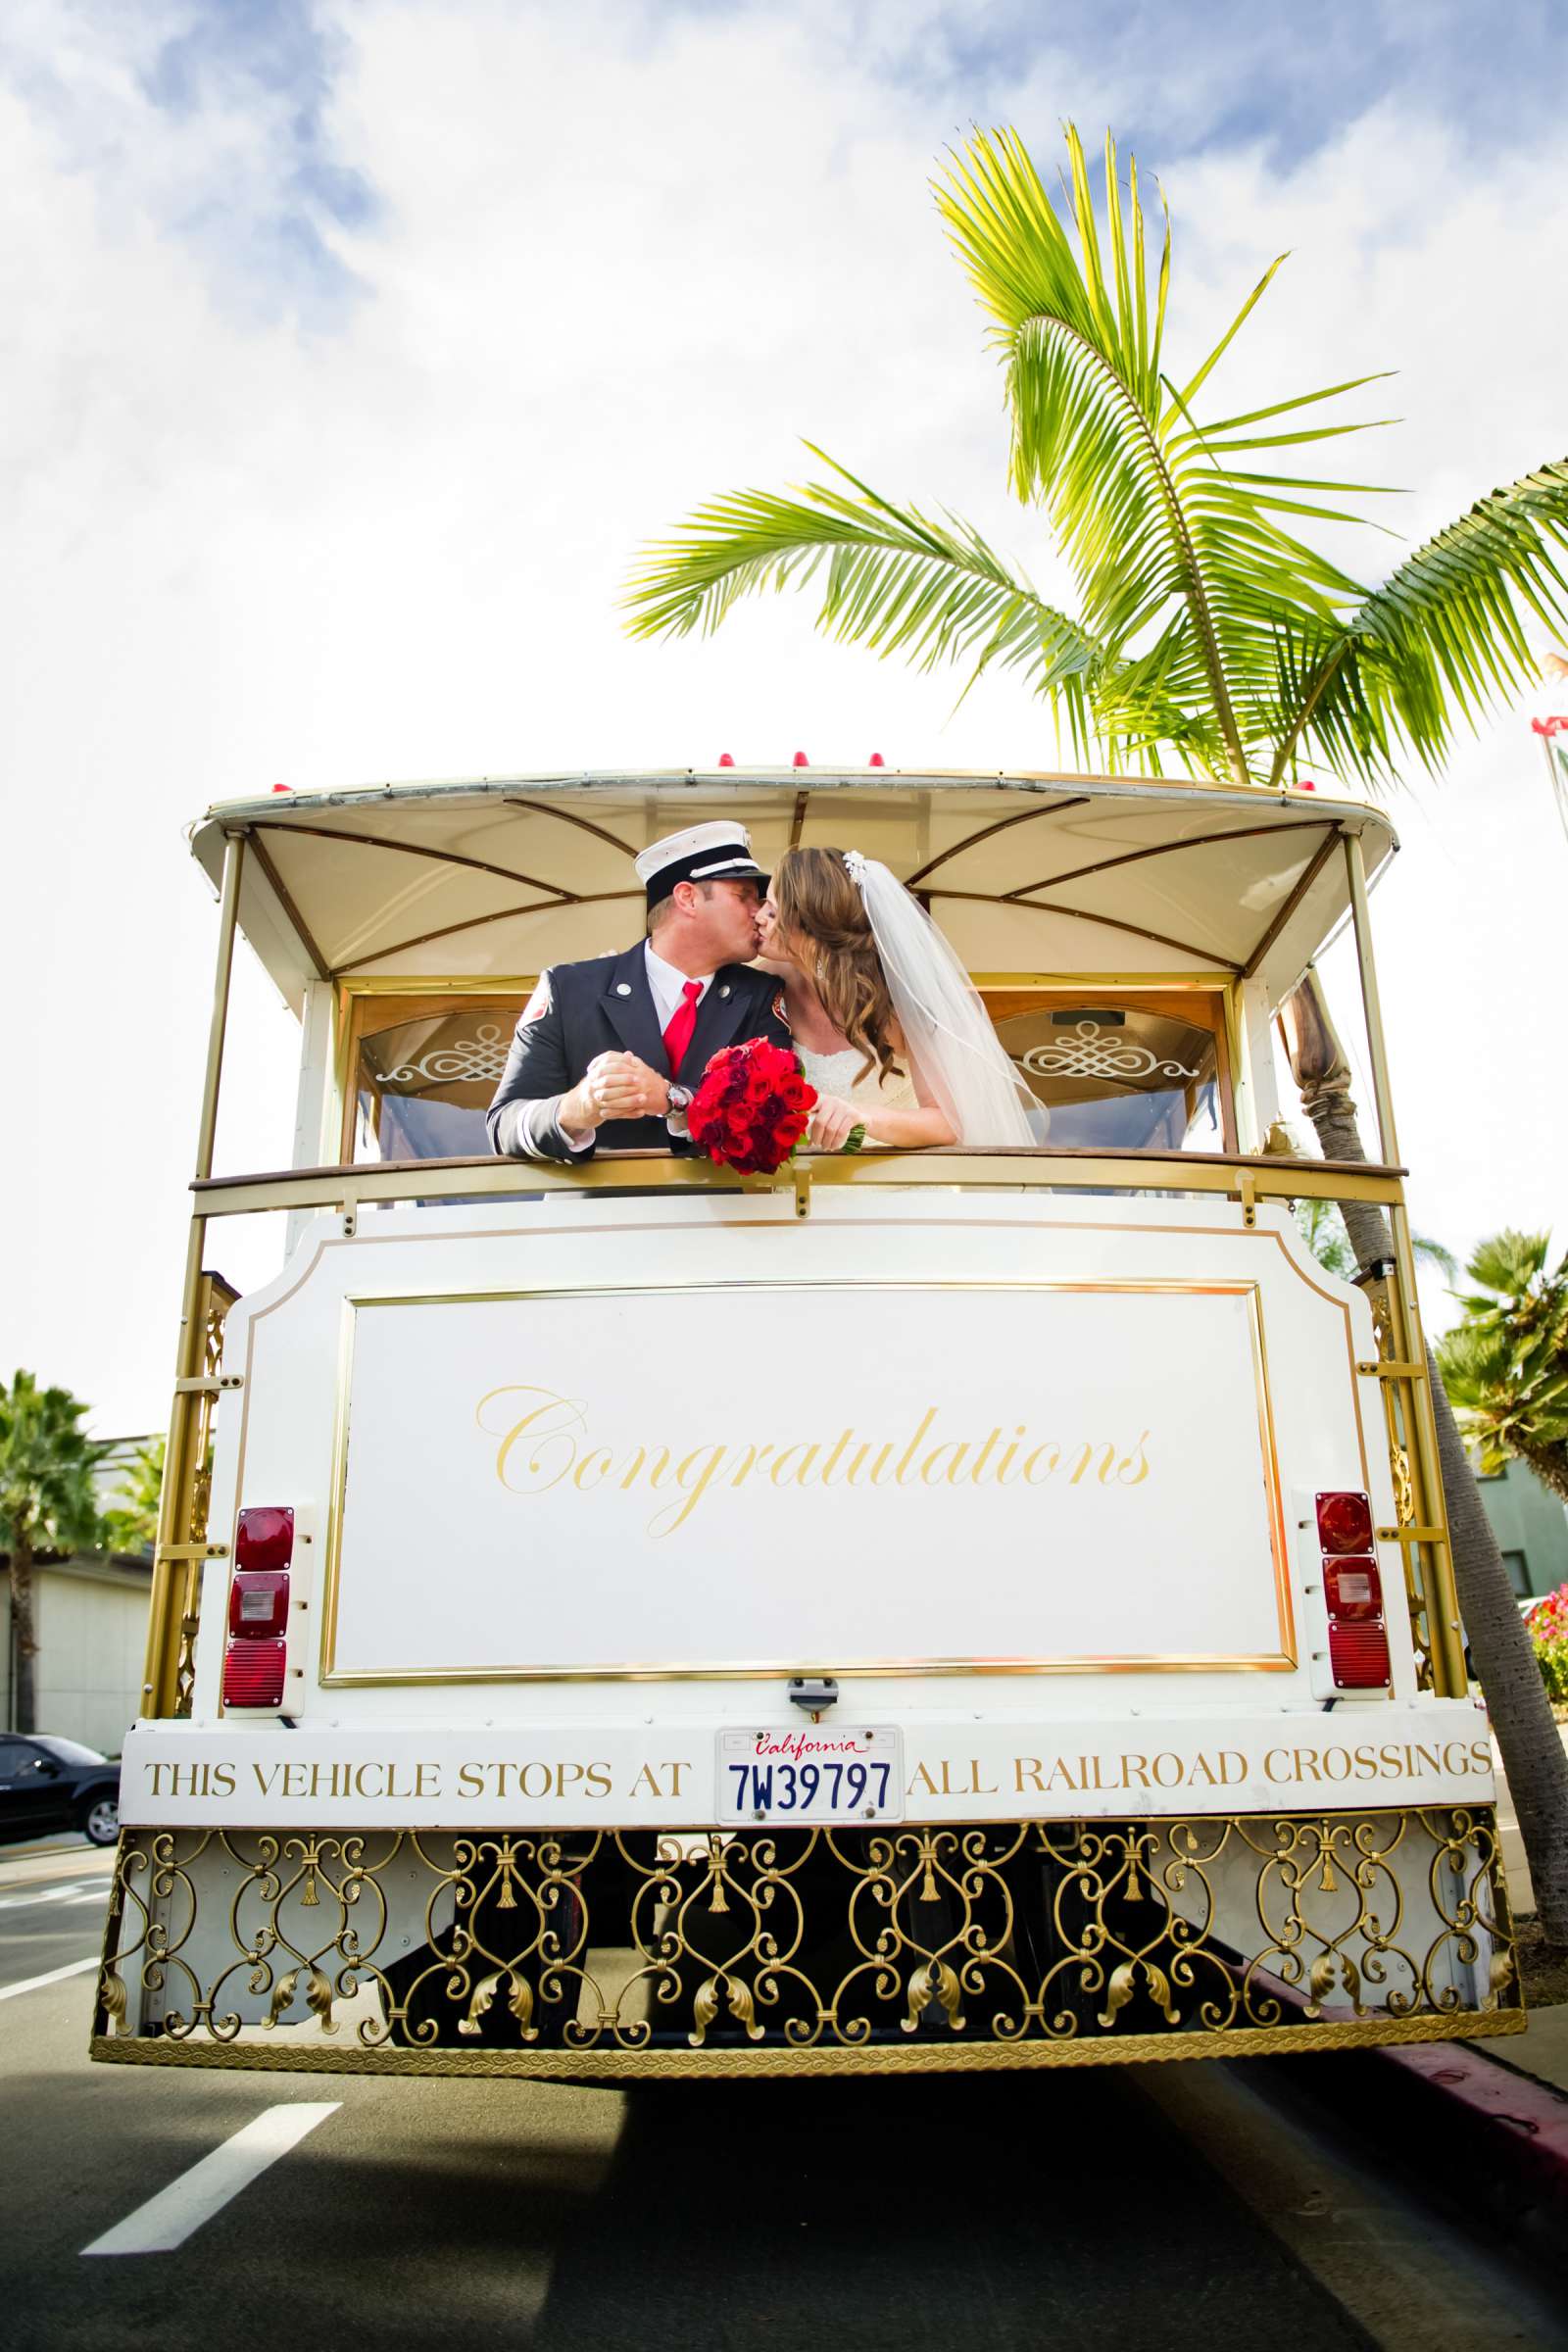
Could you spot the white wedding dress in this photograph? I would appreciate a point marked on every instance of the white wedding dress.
(836, 1074)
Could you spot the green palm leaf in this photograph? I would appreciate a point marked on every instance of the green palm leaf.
(1207, 629)
(893, 578)
(1166, 533)
(1442, 637)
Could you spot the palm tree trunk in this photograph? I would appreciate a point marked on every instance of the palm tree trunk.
(1521, 1715)
(24, 1699)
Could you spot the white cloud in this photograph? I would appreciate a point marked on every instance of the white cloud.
(618, 262)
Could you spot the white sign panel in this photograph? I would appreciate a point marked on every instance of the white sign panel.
(855, 1477)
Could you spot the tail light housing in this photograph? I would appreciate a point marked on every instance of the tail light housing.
(255, 1661)
(1352, 1593)
(1358, 1656)
(1353, 1590)
(1343, 1523)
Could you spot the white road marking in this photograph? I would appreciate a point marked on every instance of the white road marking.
(165, 2220)
(98, 1895)
(51, 1975)
(55, 1894)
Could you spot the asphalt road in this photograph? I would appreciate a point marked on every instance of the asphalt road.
(1166, 2207)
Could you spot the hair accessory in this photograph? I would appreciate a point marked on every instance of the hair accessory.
(856, 864)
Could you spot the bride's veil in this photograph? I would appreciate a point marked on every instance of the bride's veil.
(947, 1030)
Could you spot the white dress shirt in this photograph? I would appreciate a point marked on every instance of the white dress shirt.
(669, 986)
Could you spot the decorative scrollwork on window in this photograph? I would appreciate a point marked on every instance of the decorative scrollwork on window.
(480, 1057)
(1091, 1051)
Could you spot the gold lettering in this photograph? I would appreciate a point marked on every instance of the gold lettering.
(1269, 1773)
(579, 1476)
(915, 1445)
(982, 1458)
(558, 1418)
(1141, 1471)
(1026, 1775)
(665, 1522)
(923, 1782)
(1008, 1453)
(649, 1774)
(470, 1779)
(1030, 1460)
(831, 1464)
(934, 1459)
(778, 1474)
(598, 1779)
(634, 1469)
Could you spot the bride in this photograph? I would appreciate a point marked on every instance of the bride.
(887, 1022)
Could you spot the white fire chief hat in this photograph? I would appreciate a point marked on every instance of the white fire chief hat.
(720, 852)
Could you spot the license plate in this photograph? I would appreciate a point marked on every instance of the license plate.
(823, 1772)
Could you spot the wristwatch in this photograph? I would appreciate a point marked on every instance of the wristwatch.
(677, 1105)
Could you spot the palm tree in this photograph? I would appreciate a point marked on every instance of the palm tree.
(1207, 633)
(1505, 1366)
(130, 1524)
(1322, 1227)
(48, 1505)
(1207, 630)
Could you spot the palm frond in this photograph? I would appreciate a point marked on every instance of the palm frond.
(894, 578)
(1168, 536)
(1443, 639)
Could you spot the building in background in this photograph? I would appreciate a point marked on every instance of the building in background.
(91, 1617)
(1530, 1526)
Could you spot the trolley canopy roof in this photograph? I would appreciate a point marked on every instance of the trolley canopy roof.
(497, 877)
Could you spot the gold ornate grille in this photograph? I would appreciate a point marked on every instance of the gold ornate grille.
(622, 1952)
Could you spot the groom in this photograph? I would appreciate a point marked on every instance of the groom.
(609, 1051)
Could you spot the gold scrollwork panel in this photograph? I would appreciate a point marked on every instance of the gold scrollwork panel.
(703, 1951)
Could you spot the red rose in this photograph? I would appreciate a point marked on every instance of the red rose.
(750, 1107)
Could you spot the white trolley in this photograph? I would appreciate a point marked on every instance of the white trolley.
(921, 1610)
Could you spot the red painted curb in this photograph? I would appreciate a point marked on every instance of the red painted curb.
(1522, 2124)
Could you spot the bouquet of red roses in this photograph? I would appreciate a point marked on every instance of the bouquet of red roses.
(752, 1108)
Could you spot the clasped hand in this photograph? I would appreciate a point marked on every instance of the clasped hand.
(833, 1122)
(620, 1086)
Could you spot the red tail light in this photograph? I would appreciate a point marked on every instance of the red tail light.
(264, 1539)
(1353, 1590)
(1345, 1523)
(257, 1604)
(1352, 1593)
(1358, 1656)
(255, 1661)
(253, 1674)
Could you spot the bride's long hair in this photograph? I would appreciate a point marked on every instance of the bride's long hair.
(825, 925)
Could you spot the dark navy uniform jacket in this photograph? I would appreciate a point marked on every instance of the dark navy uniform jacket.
(583, 1009)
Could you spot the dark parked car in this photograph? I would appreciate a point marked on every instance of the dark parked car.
(49, 1783)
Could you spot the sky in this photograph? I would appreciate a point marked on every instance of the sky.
(351, 351)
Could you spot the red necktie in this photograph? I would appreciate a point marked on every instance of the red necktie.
(682, 1021)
